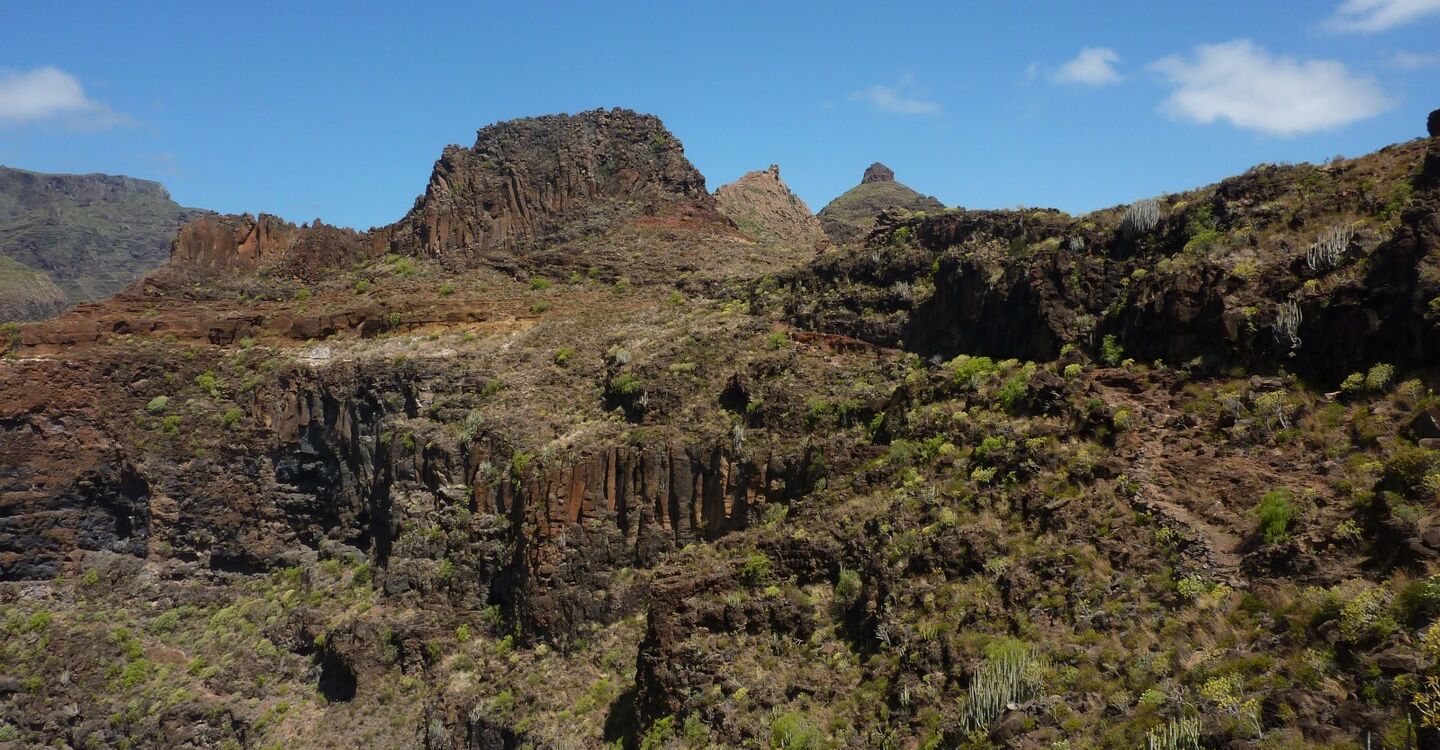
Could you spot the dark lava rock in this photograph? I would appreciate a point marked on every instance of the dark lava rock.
(878, 172)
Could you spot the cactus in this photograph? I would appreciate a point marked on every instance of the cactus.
(1328, 250)
(1140, 217)
(1011, 676)
(1287, 324)
(1176, 734)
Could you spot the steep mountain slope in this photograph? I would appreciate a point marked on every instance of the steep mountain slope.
(27, 294)
(991, 479)
(91, 234)
(761, 204)
(851, 216)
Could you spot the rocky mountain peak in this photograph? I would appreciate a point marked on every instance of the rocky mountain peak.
(850, 217)
(877, 172)
(532, 178)
(764, 208)
(1432, 124)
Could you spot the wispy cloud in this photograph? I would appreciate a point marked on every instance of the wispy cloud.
(1240, 82)
(1367, 16)
(50, 94)
(1413, 60)
(904, 98)
(1093, 66)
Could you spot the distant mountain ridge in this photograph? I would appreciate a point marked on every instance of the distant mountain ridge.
(89, 235)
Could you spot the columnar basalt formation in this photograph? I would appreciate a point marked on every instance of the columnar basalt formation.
(535, 178)
(245, 242)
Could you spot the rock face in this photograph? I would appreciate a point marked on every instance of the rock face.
(850, 217)
(549, 178)
(1026, 284)
(244, 242)
(761, 204)
(90, 234)
(526, 183)
(1432, 124)
(877, 172)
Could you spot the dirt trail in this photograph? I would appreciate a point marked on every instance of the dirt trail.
(1172, 485)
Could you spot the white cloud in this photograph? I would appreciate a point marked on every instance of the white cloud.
(1094, 66)
(1413, 60)
(52, 94)
(901, 99)
(1379, 15)
(1240, 82)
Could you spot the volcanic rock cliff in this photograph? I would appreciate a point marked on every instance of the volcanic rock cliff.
(568, 458)
(548, 179)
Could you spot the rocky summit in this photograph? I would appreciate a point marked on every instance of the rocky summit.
(850, 217)
(577, 454)
(761, 204)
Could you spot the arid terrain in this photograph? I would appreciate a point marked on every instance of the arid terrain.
(579, 454)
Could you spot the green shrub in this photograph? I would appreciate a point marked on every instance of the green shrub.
(1276, 514)
(207, 382)
(790, 731)
(1110, 350)
(519, 464)
(231, 417)
(405, 266)
(756, 570)
(1419, 601)
(658, 734)
(362, 286)
(302, 293)
(626, 384)
(970, 372)
(446, 289)
(563, 355)
(1353, 383)
(171, 424)
(1364, 614)
(157, 404)
(538, 284)
(1408, 467)
(847, 586)
(1379, 378)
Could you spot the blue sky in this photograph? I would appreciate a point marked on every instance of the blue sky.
(310, 110)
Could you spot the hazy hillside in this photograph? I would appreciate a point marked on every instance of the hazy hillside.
(90, 234)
